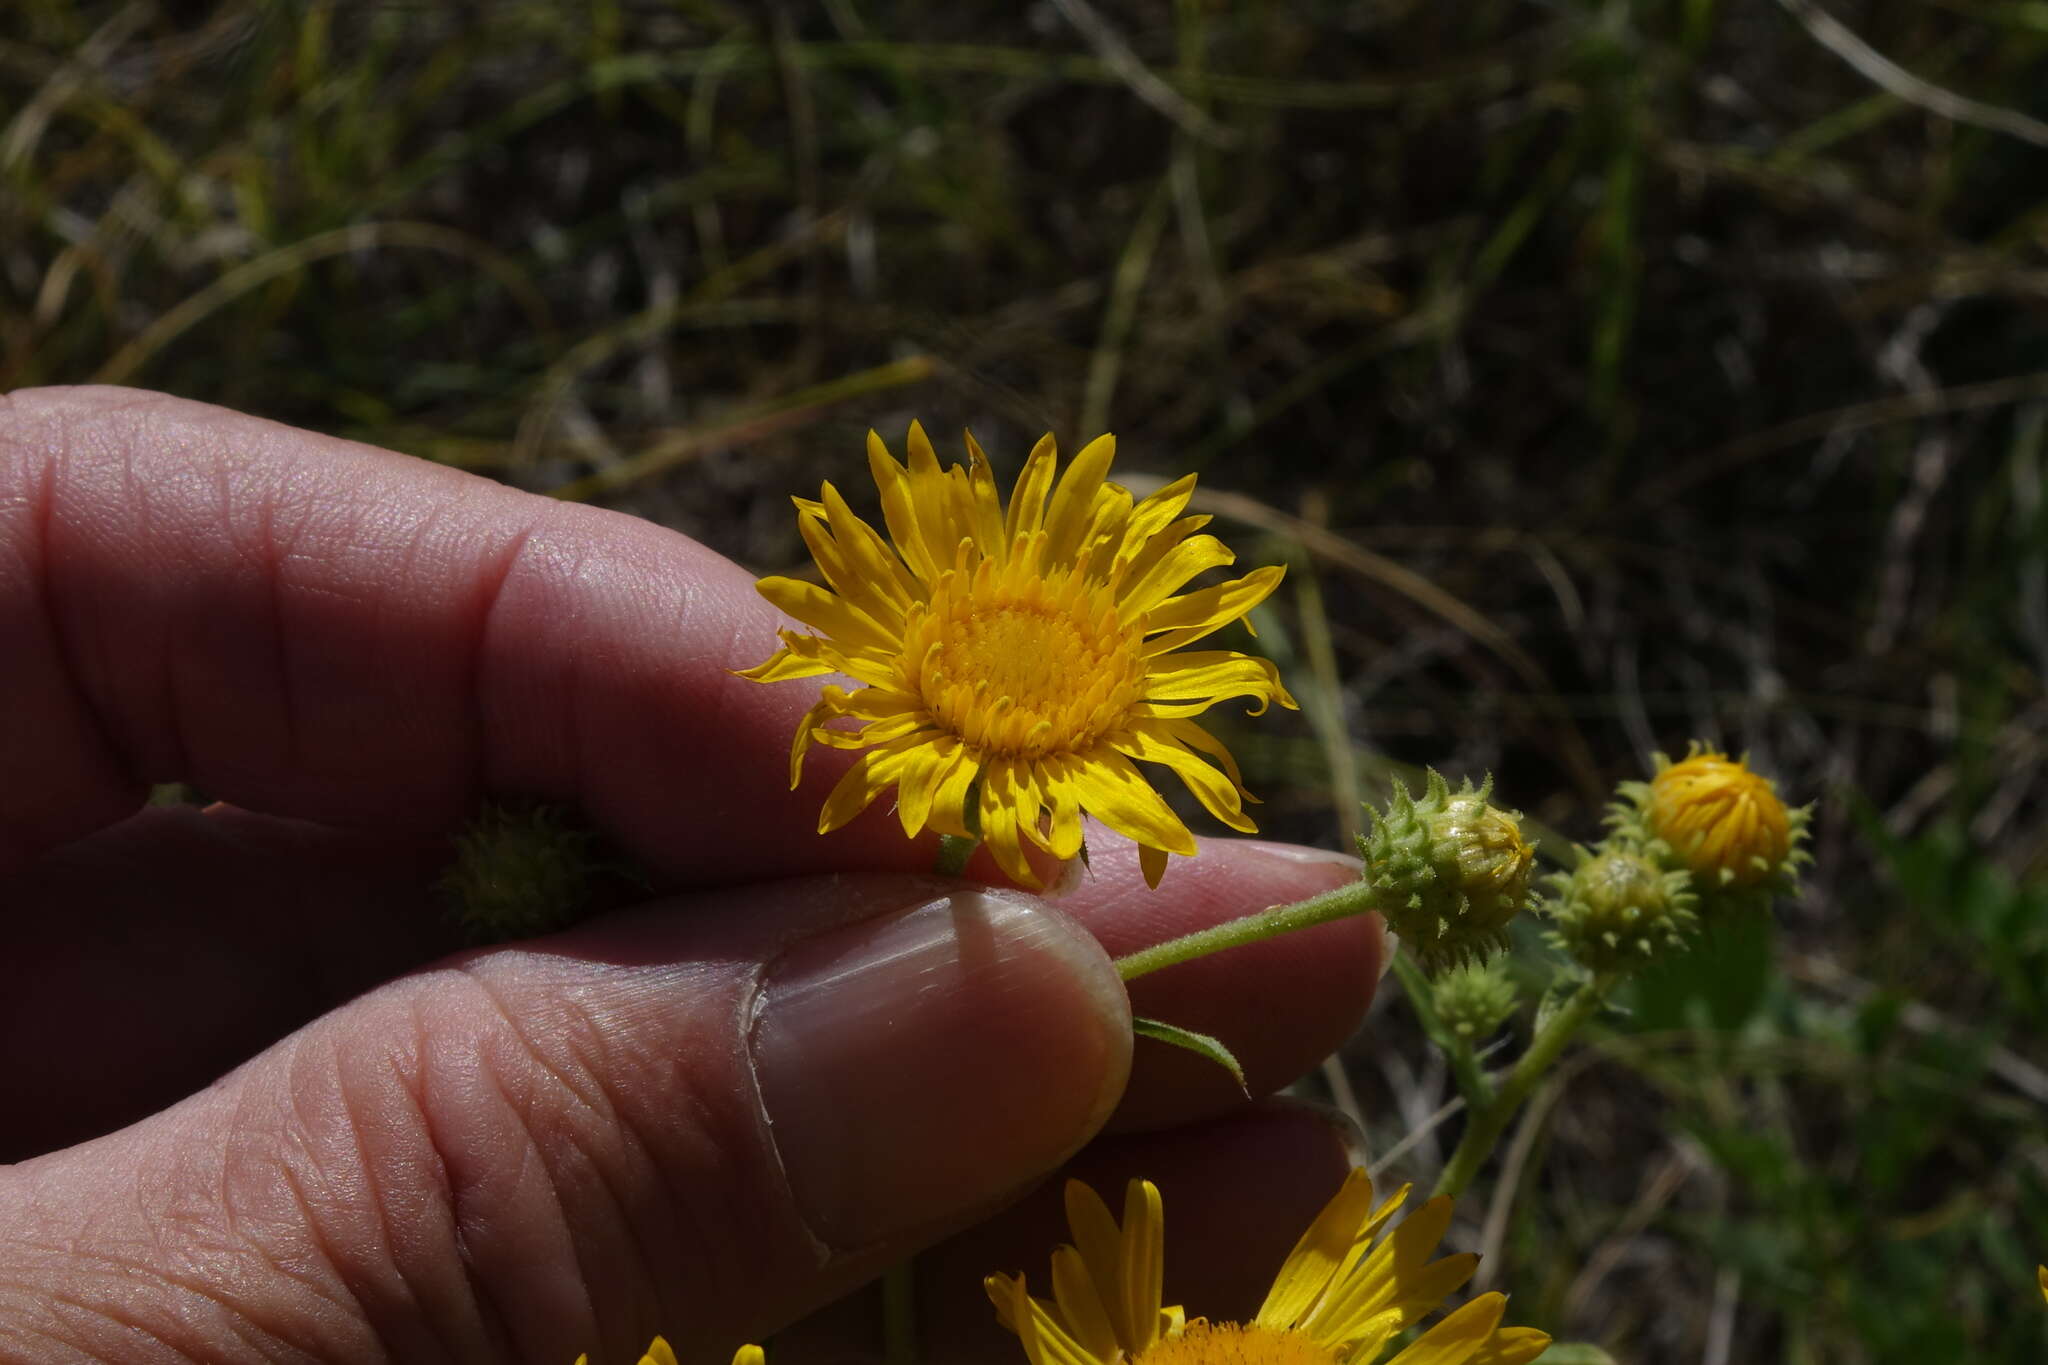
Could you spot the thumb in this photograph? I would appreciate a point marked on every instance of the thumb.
(700, 1119)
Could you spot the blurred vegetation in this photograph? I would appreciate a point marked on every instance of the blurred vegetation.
(1612, 372)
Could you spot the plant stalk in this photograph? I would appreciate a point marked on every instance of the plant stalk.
(1489, 1121)
(1354, 898)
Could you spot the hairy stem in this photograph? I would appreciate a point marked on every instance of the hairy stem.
(1345, 901)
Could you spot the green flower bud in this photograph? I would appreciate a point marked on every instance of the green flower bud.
(1620, 908)
(1475, 999)
(1722, 822)
(1448, 871)
(520, 870)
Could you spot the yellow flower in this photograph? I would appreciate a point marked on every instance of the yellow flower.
(1013, 662)
(1340, 1297)
(658, 1353)
(1722, 820)
(2041, 1274)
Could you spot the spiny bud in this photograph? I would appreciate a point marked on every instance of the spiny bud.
(520, 870)
(1722, 822)
(1474, 1000)
(1448, 871)
(1619, 909)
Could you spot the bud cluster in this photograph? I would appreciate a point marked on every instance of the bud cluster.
(1704, 838)
(1720, 821)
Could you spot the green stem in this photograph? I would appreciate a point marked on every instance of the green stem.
(1489, 1121)
(1354, 898)
(1472, 1082)
(954, 852)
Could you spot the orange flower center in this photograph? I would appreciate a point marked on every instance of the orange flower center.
(1020, 665)
(1230, 1343)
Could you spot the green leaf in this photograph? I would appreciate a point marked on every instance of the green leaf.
(1719, 984)
(1574, 1353)
(1201, 1044)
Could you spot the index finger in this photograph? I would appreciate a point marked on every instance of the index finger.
(312, 627)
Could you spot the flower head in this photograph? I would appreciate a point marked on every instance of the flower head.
(1013, 662)
(1449, 872)
(1721, 821)
(1343, 1293)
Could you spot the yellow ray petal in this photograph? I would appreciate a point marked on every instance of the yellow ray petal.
(1116, 794)
(784, 665)
(1216, 792)
(1027, 499)
(1193, 615)
(846, 577)
(1143, 1262)
(1151, 862)
(1080, 1304)
(999, 823)
(875, 732)
(1214, 675)
(1512, 1346)
(1198, 555)
(1063, 801)
(1456, 1339)
(822, 609)
(924, 776)
(899, 512)
(873, 773)
(987, 501)
(928, 489)
(880, 567)
(1322, 1249)
(1099, 1243)
(1044, 1341)
(1157, 512)
(1074, 499)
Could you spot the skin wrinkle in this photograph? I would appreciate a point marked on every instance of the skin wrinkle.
(387, 1234)
(336, 1292)
(491, 1319)
(616, 1119)
(485, 1318)
(489, 594)
(41, 498)
(522, 1108)
(270, 564)
(115, 1310)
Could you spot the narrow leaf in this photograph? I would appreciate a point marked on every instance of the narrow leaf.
(1201, 1044)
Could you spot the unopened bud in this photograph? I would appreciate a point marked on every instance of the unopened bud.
(1619, 909)
(1449, 871)
(1474, 1000)
(1722, 822)
(520, 869)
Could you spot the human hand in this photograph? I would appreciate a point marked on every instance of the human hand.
(704, 1116)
